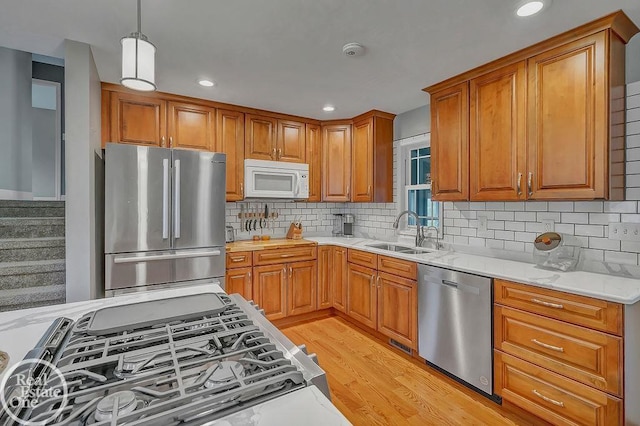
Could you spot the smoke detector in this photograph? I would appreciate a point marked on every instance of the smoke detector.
(353, 49)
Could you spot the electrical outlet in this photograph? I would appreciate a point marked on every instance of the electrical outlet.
(482, 223)
(624, 231)
(548, 225)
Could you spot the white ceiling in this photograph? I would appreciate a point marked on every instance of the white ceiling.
(286, 55)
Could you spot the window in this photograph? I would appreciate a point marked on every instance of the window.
(415, 183)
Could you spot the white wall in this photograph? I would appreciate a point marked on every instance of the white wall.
(82, 123)
(44, 152)
(15, 124)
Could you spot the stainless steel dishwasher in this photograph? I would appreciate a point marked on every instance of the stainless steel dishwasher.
(455, 324)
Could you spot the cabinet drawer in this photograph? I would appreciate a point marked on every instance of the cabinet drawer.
(240, 259)
(398, 267)
(554, 398)
(591, 357)
(370, 260)
(580, 310)
(273, 256)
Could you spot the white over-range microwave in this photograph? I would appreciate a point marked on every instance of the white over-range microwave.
(276, 179)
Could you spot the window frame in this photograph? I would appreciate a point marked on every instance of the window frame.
(404, 147)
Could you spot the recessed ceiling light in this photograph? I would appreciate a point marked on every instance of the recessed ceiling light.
(206, 83)
(530, 7)
(329, 108)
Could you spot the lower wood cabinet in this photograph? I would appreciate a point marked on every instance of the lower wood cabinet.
(239, 281)
(339, 278)
(325, 277)
(384, 302)
(362, 294)
(284, 290)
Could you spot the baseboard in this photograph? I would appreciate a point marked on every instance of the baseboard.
(8, 194)
(303, 318)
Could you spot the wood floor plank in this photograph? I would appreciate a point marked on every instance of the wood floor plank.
(371, 384)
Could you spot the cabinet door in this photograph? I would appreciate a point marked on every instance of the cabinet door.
(325, 261)
(339, 278)
(450, 143)
(362, 304)
(302, 287)
(138, 119)
(336, 163)
(260, 137)
(191, 126)
(290, 144)
(230, 140)
(567, 121)
(314, 158)
(239, 281)
(398, 309)
(270, 290)
(498, 135)
(362, 161)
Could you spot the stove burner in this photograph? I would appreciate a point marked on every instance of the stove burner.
(224, 373)
(118, 404)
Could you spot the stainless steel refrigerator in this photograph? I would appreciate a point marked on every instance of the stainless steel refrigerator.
(164, 217)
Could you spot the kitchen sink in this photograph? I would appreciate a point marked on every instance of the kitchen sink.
(399, 249)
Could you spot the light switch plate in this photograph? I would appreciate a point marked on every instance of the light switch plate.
(482, 223)
(548, 225)
(624, 231)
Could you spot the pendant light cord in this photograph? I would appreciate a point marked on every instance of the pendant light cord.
(139, 18)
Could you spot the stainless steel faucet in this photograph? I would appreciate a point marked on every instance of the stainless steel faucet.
(419, 231)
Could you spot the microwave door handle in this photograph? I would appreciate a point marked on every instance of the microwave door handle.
(298, 183)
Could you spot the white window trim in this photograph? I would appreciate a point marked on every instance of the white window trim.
(402, 146)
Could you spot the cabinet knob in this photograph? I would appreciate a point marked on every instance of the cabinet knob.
(273, 154)
(279, 153)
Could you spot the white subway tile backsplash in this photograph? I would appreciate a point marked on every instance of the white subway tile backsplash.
(588, 206)
(621, 257)
(561, 206)
(507, 216)
(603, 218)
(514, 226)
(630, 218)
(536, 206)
(514, 245)
(525, 216)
(630, 246)
(593, 254)
(575, 218)
(548, 216)
(534, 227)
(495, 244)
(476, 242)
(494, 205)
(505, 235)
(517, 206)
(620, 207)
(495, 224)
(565, 228)
(590, 230)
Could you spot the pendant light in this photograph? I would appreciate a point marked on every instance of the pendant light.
(138, 60)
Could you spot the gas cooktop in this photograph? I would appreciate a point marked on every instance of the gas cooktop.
(185, 360)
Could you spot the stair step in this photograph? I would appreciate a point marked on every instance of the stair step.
(21, 298)
(23, 249)
(17, 208)
(21, 275)
(31, 227)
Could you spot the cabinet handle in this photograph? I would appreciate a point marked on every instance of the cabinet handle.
(530, 184)
(249, 275)
(273, 154)
(171, 141)
(237, 258)
(369, 190)
(378, 281)
(242, 189)
(162, 142)
(434, 189)
(279, 153)
(290, 271)
(544, 345)
(519, 184)
(548, 304)
(546, 398)
(348, 190)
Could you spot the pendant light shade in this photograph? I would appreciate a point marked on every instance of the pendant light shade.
(138, 61)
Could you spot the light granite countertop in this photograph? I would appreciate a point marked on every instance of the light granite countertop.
(21, 330)
(600, 286)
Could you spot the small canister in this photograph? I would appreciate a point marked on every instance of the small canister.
(557, 251)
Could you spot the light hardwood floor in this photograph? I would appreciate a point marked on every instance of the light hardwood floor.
(372, 384)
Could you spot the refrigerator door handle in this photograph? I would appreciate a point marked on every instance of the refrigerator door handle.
(176, 223)
(165, 198)
(170, 256)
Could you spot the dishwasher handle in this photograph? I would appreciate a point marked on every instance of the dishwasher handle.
(460, 287)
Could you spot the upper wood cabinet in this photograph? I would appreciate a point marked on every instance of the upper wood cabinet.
(260, 137)
(336, 162)
(559, 135)
(450, 143)
(290, 144)
(268, 138)
(135, 119)
(191, 126)
(497, 145)
(230, 140)
(314, 158)
(569, 120)
(372, 158)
